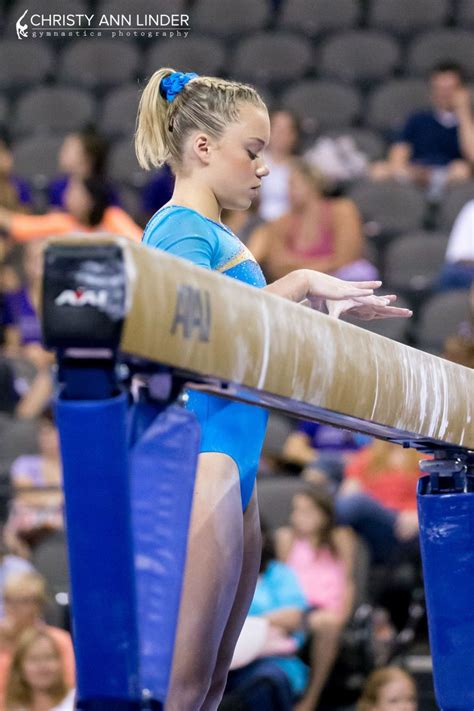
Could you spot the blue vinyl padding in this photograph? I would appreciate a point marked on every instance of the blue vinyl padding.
(162, 465)
(97, 495)
(447, 547)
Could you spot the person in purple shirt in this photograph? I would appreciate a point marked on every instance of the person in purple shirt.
(431, 148)
(15, 193)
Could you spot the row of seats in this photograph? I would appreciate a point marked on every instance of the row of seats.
(320, 105)
(266, 58)
(312, 17)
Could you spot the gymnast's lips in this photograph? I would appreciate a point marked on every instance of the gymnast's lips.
(256, 187)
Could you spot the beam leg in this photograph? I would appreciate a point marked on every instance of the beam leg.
(446, 515)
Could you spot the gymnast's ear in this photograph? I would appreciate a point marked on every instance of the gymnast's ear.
(202, 146)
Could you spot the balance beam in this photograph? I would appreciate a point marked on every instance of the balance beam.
(244, 343)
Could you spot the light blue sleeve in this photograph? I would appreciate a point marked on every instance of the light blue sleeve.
(185, 235)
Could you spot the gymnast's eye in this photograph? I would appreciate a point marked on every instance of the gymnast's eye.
(252, 156)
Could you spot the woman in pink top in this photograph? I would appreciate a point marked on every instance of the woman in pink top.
(316, 233)
(322, 556)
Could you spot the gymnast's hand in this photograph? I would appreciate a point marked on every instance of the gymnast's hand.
(312, 286)
(368, 308)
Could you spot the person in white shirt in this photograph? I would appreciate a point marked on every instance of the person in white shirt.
(284, 136)
(458, 270)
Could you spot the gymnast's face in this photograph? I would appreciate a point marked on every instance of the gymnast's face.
(236, 165)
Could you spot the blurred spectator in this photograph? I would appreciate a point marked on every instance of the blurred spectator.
(433, 147)
(15, 193)
(157, 191)
(37, 506)
(458, 269)
(37, 680)
(10, 564)
(284, 137)
(460, 348)
(322, 556)
(279, 600)
(24, 600)
(388, 689)
(378, 498)
(23, 332)
(87, 203)
(82, 155)
(317, 233)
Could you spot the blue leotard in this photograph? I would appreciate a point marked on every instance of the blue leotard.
(229, 427)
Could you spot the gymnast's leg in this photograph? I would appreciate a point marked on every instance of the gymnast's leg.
(211, 580)
(243, 598)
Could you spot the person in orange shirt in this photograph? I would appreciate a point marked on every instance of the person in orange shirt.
(88, 210)
(24, 598)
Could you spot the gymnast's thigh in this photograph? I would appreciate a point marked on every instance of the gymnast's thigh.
(213, 568)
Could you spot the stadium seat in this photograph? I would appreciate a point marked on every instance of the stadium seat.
(98, 64)
(53, 109)
(406, 16)
(390, 104)
(24, 65)
(18, 437)
(36, 158)
(430, 48)
(322, 105)
(123, 164)
(414, 260)
(268, 57)
(229, 18)
(441, 317)
(274, 498)
(313, 17)
(464, 16)
(119, 111)
(452, 203)
(389, 208)
(4, 109)
(359, 55)
(142, 7)
(203, 55)
(367, 141)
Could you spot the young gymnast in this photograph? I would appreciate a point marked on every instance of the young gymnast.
(212, 133)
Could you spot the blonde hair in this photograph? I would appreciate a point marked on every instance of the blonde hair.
(208, 104)
(18, 691)
(376, 682)
(32, 584)
(310, 173)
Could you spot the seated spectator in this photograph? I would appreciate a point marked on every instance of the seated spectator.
(37, 506)
(23, 333)
(431, 149)
(387, 689)
(378, 498)
(82, 155)
(10, 564)
(458, 269)
(284, 137)
(88, 210)
(36, 679)
(322, 556)
(279, 600)
(317, 233)
(15, 193)
(24, 600)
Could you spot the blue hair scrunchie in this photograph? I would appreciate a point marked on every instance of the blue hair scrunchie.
(171, 85)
